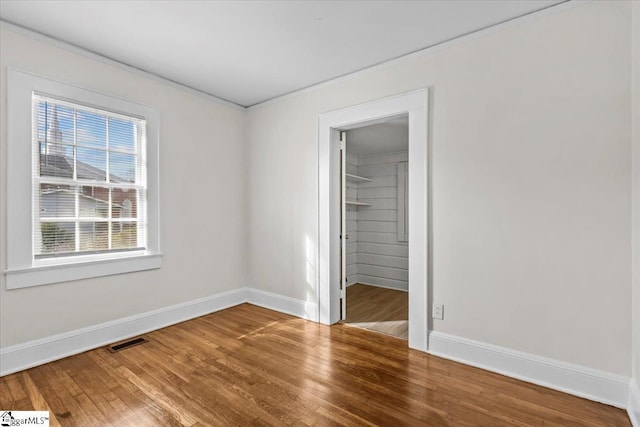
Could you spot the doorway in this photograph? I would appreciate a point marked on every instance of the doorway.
(374, 248)
(330, 285)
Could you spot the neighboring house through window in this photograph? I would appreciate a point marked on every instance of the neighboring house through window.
(82, 184)
(89, 167)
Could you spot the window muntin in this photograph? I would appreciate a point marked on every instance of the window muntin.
(89, 180)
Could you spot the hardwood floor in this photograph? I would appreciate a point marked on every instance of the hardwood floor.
(378, 309)
(251, 366)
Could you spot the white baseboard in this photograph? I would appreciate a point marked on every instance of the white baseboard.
(578, 380)
(381, 282)
(377, 286)
(633, 407)
(37, 352)
(292, 306)
(33, 353)
(589, 383)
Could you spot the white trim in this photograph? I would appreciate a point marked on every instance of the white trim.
(37, 352)
(5, 25)
(360, 282)
(44, 275)
(19, 165)
(33, 353)
(551, 10)
(343, 224)
(633, 406)
(568, 378)
(578, 380)
(295, 307)
(416, 105)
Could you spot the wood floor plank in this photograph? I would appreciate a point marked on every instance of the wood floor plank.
(226, 396)
(251, 366)
(16, 388)
(6, 399)
(135, 399)
(45, 377)
(378, 309)
(37, 400)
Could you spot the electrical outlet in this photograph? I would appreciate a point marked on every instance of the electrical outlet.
(438, 311)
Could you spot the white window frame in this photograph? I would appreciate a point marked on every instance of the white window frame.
(22, 269)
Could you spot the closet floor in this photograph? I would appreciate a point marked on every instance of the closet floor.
(378, 309)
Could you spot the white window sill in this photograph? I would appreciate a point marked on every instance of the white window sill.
(45, 275)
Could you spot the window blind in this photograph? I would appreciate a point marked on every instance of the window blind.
(89, 183)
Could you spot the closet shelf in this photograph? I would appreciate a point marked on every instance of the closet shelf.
(356, 178)
(356, 203)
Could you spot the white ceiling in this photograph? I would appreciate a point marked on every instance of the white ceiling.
(248, 51)
(388, 137)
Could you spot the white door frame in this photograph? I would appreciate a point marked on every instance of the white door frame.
(415, 104)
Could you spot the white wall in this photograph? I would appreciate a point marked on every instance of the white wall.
(530, 134)
(382, 259)
(202, 185)
(636, 194)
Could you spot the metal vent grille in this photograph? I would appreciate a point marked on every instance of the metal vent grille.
(114, 348)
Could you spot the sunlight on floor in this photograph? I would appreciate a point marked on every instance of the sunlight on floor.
(396, 328)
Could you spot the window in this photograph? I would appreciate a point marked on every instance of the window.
(90, 182)
(82, 184)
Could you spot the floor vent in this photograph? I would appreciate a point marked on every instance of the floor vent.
(114, 348)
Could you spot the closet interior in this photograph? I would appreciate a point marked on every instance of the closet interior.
(376, 202)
